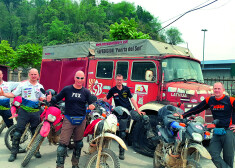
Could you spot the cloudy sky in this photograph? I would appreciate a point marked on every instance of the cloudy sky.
(217, 18)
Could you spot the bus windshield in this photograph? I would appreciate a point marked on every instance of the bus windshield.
(179, 69)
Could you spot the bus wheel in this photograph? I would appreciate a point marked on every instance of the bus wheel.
(140, 142)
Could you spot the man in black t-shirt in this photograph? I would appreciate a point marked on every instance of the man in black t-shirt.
(76, 98)
(121, 95)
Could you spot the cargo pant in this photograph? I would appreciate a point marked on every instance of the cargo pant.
(66, 133)
(227, 143)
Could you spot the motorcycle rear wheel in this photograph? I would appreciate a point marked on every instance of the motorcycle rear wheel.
(2, 126)
(108, 159)
(35, 145)
(23, 144)
(193, 164)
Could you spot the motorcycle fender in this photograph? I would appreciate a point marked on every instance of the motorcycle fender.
(202, 150)
(46, 127)
(113, 136)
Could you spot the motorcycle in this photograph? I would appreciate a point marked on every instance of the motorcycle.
(180, 143)
(50, 126)
(99, 147)
(2, 126)
(27, 134)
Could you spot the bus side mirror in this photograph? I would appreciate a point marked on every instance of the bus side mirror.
(149, 75)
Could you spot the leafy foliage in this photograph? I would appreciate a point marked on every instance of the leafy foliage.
(174, 36)
(50, 22)
(27, 56)
(6, 53)
(126, 30)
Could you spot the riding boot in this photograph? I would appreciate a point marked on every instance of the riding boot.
(61, 155)
(121, 153)
(38, 154)
(122, 135)
(15, 146)
(76, 153)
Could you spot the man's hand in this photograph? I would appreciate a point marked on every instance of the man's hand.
(141, 113)
(232, 127)
(91, 107)
(49, 97)
(105, 99)
(1, 92)
(178, 115)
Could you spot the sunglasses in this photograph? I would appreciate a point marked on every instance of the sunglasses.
(80, 77)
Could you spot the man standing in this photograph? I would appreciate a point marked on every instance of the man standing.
(29, 109)
(222, 108)
(121, 95)
(76, 97)
(4, 101)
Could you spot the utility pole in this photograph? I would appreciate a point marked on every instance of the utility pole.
(204, 30)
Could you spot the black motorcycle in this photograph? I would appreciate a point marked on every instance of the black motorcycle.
(180, 143)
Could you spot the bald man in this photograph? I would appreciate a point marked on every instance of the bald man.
(76, 98)
(223, 109)
(4, 101)
(29, 109)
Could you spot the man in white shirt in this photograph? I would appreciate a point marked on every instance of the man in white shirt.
(29, 109)
(4, 101)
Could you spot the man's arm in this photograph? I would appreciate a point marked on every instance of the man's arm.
(136, 106)
(8, 95)
(197, 109)
(232, 127)
(108, 96)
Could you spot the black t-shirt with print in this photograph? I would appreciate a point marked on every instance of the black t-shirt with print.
(75, 100)
(121, 97)
(221, 109)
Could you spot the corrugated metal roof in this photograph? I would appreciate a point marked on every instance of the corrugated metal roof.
(219, 61)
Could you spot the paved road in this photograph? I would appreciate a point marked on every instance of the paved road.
(133, 159)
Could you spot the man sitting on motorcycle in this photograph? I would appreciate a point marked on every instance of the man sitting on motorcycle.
(121, 95)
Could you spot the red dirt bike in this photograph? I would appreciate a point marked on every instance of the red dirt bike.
(50, 126)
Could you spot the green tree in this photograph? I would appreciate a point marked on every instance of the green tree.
(59, 32)
(126, 30)
(174, 36)
(6, 53)
(27, 56)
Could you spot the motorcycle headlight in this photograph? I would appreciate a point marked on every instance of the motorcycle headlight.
(16, 103)
(197, 137)
(51, 118)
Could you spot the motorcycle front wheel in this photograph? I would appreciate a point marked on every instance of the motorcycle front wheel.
(23, 142)
(108, 159)
(156, 161)
(2, 126)
(193, 164)
(32, 150)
